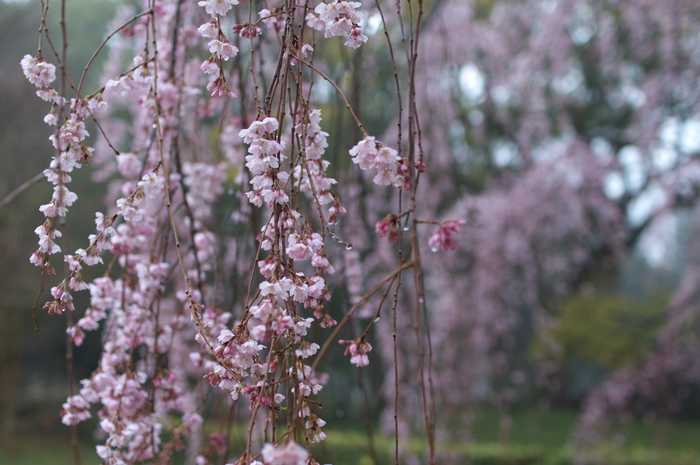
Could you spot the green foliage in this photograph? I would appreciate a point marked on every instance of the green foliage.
(609, 329)
(483, 8)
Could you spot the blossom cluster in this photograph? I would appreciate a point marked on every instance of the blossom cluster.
(443, 237)
(273, 19)
(358, 349)
(246, 361)
(71, 154)
(310, 172)
(120, 386)
(220, 47)
(38, 71)
(290, 453)
(217, 7)
(264, 162)
(339, 18)
(371, 154)
(41, 73)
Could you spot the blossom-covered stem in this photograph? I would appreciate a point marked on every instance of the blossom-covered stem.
(69, 319)
(254, 414)
(324, 222)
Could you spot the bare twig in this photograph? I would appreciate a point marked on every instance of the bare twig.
(20, 190)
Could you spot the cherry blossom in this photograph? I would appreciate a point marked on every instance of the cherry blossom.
(373, 155)
(338, 18)
(217, 7)
(272, 20)
(442, 238)
(358, 351)
(38, 71)
(290, 453)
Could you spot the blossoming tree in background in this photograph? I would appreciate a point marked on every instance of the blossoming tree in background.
(561, 131)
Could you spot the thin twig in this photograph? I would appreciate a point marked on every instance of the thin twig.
(20, 189)
(340, 91)
(102, 45)
(352, 311)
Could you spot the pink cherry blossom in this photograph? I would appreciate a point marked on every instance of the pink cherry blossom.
(290, 453)
(443, 237)
(338, 18)
(217, 7)
(358, 350)
(38, 71)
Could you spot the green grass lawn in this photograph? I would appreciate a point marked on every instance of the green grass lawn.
(551, 429)
(51, 449)
(537, 438)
